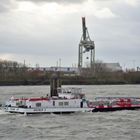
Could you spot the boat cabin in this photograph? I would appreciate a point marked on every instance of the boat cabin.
(70, 93)
(67, 98)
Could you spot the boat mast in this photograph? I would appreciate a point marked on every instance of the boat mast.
(55, 83)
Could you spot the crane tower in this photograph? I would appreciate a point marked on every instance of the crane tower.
(86, 45)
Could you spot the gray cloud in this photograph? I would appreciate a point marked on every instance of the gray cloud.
(116, 39)
(127, 12)
(7, 5)
(4, 5)
(57, 1)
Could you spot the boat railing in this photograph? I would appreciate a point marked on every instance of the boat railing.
(70, 90)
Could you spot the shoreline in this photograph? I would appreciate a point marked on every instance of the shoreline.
(64, 82)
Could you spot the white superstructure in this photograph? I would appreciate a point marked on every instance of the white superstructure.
(68, 100)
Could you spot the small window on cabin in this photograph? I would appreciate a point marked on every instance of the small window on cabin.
(38, 104)
(59, 90)
(17, 103)
(53, 103)
(60, 103)
(66, 103)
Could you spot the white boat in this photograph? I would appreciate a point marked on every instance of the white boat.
(69, 100)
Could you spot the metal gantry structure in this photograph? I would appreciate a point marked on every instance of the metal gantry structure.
(86, 45)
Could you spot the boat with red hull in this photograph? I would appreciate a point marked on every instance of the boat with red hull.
(105, 104)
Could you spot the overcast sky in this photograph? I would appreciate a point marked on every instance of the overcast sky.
(45, 31)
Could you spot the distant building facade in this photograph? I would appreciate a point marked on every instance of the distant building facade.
(111, 67)
(55, 69)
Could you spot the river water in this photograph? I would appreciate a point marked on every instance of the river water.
(119, 125)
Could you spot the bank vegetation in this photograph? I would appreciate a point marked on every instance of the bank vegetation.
(14, 73)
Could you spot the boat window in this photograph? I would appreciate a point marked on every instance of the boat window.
(59, 90)
(38, 104)
(60, 103)
(66, 103)
(17, 103)
(53, 103)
